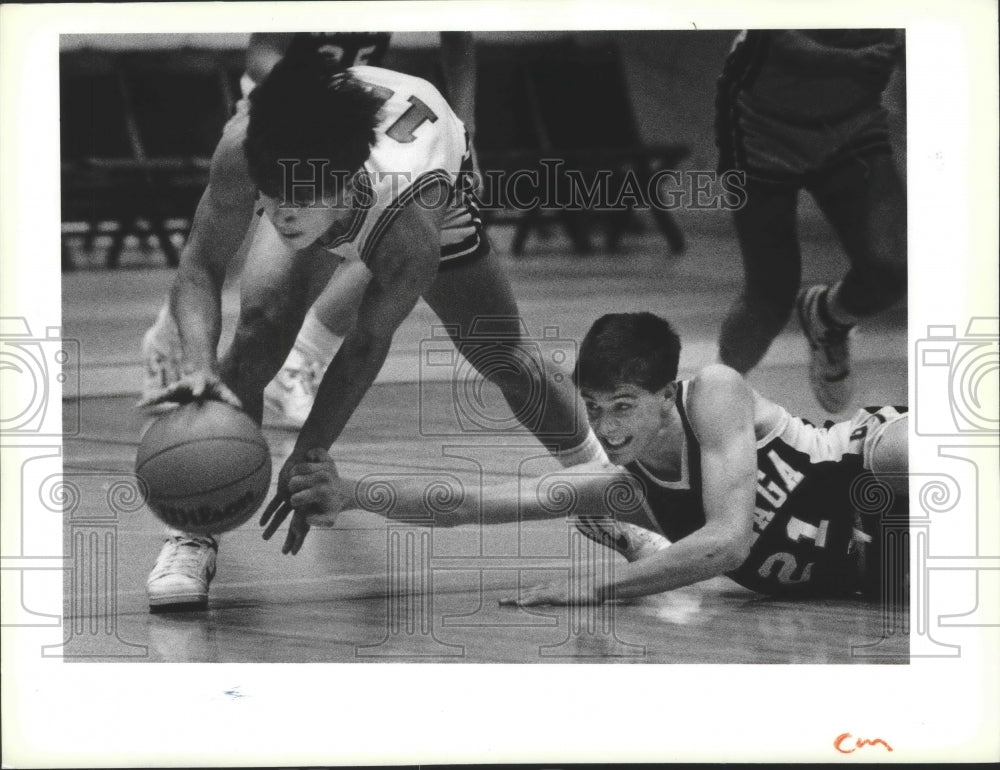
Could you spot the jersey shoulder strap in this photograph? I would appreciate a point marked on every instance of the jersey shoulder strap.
(693, 447)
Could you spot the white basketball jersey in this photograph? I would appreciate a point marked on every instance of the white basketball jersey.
(420, 141)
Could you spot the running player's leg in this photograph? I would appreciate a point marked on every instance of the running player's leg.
(863, 199)
(768, 237)
(865, 202)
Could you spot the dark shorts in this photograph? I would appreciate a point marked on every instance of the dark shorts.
(783, 150)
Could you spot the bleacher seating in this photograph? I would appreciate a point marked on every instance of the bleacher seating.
(137, 134)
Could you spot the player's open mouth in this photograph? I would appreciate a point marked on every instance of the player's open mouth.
(616, 445)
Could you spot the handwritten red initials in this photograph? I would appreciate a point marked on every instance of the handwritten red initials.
(859, 743)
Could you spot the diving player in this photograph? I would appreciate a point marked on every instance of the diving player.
(363, 165)
(802, 109)
(738, 485)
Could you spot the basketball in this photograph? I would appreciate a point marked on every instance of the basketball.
(206, 466)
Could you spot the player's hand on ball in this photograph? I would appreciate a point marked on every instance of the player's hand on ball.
(552, 594)
(308, 485)
(194, 386)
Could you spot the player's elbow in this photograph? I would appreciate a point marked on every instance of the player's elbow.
(726, 552)
(733, 551)
(734, 554)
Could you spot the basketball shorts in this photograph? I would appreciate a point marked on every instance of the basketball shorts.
(463, 235)
(785, 151)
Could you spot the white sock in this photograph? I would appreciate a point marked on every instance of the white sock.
(315, 341)
(587, 451)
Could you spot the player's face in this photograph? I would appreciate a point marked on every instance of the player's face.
(627, 419)
(300, 223)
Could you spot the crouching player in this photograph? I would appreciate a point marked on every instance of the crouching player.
(377, 174)
(739, 486)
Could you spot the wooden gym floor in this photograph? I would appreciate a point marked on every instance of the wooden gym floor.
(343, 598)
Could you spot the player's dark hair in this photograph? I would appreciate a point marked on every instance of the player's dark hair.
(628, 348)
(308, 111)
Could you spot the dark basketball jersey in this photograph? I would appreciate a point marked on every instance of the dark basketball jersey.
(345, 49)
(803, 516)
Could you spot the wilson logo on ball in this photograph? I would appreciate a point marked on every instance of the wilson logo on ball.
(207, 467)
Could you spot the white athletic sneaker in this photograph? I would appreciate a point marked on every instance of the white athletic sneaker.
(829, 344)
(161, 353)
(183, 572)
(291, 393)
(631, 541)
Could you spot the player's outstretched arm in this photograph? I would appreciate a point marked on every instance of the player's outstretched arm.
(318, 492)
(584, 490)
(220, 223)
(720, 405)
